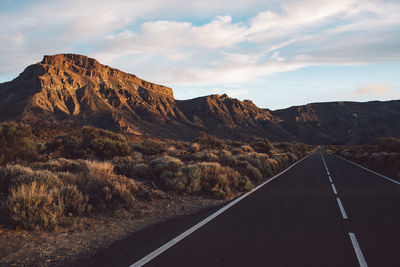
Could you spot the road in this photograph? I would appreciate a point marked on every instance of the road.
(324, 211)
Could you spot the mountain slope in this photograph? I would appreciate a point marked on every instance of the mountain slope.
(76, 90)
(342, 122)
(66, 91)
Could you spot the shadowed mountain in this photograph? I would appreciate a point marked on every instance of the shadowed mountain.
(342, 122)
(64, 92)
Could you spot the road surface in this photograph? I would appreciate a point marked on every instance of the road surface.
(324, 211)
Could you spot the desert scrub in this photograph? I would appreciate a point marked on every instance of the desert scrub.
(164, 164)
(64, 145)
(206, 155)
(206, 178)
(207, 141)
(104, 144)
(75, 203)
(32, 206)
(13, 175)
(131, 166)
(63, 165)
(150, 147)
(15, 142)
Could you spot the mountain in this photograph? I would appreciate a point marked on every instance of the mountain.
(63, 92)
(70, 90)
(342, 122)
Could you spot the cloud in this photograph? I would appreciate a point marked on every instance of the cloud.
(375, 91)
(209, 41)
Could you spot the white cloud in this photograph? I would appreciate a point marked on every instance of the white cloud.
(211, 41)
(375, 91)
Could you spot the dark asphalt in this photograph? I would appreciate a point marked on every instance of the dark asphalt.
(293, 221)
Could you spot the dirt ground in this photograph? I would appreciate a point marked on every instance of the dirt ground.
(65, 245)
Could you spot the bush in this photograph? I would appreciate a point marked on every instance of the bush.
(150, 147)
(205, 177)
(131, 167)
(207, 141)
(75, 203)
(65, 145)
(13, 175)
(162, 164)
(104, 144)
(15, 142)
(32, 206)
(264, 146)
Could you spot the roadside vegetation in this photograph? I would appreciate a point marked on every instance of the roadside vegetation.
(46, 185)
(382, 155)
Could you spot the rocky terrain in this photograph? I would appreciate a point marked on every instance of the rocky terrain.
(63, 92)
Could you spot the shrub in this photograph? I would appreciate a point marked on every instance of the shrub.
(66, 145)
(388, 144)
(106, 190)
(264, 146)
(162, 164)
(104, 144)
(195, 147)
(205, 177)
(13, 175)
(32, 206)
(209, 141)
(75, 203)
(64, 165)
(150, 147)
(206, 155)
(131, 167)
(15, 142)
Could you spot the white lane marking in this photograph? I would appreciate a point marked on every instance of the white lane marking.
(383, 176)
(344, 215)
(177, 239)
(328, 172)
(358, 251)
(334, 189)
(330, 179)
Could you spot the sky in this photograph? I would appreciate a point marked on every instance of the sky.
(275, 53)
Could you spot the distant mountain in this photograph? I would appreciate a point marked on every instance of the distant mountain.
(64, 92)
(342, 122)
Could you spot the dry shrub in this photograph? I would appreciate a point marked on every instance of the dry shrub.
(164, 164)
(206, 177)
(206, 155)
(246, 148)
(132, 166)
(32, 206)
(12, 175)
(173, 151)
(64, 165)
(75, 203)
(195, 147)
(150, 147)
(207, 141)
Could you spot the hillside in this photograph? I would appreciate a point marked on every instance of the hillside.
(341, 122)
(63, 92)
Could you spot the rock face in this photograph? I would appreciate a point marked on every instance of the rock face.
(64, 92)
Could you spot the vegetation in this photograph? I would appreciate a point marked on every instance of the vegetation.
(15, 143)
(99, 172)
(382, 155)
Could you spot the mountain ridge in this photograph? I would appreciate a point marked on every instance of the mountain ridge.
(69, 90)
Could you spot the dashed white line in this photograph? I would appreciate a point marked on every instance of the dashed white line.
(179, 238)
(344, 215)
(357, 249)
(330, 179)
(334, 189)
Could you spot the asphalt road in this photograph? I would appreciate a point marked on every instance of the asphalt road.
(324, 211)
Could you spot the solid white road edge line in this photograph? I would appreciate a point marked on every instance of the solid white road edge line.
(344, 215)
(383, 176)
(334, 189)
(174, 241)
(357, 249)
(330, 179)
